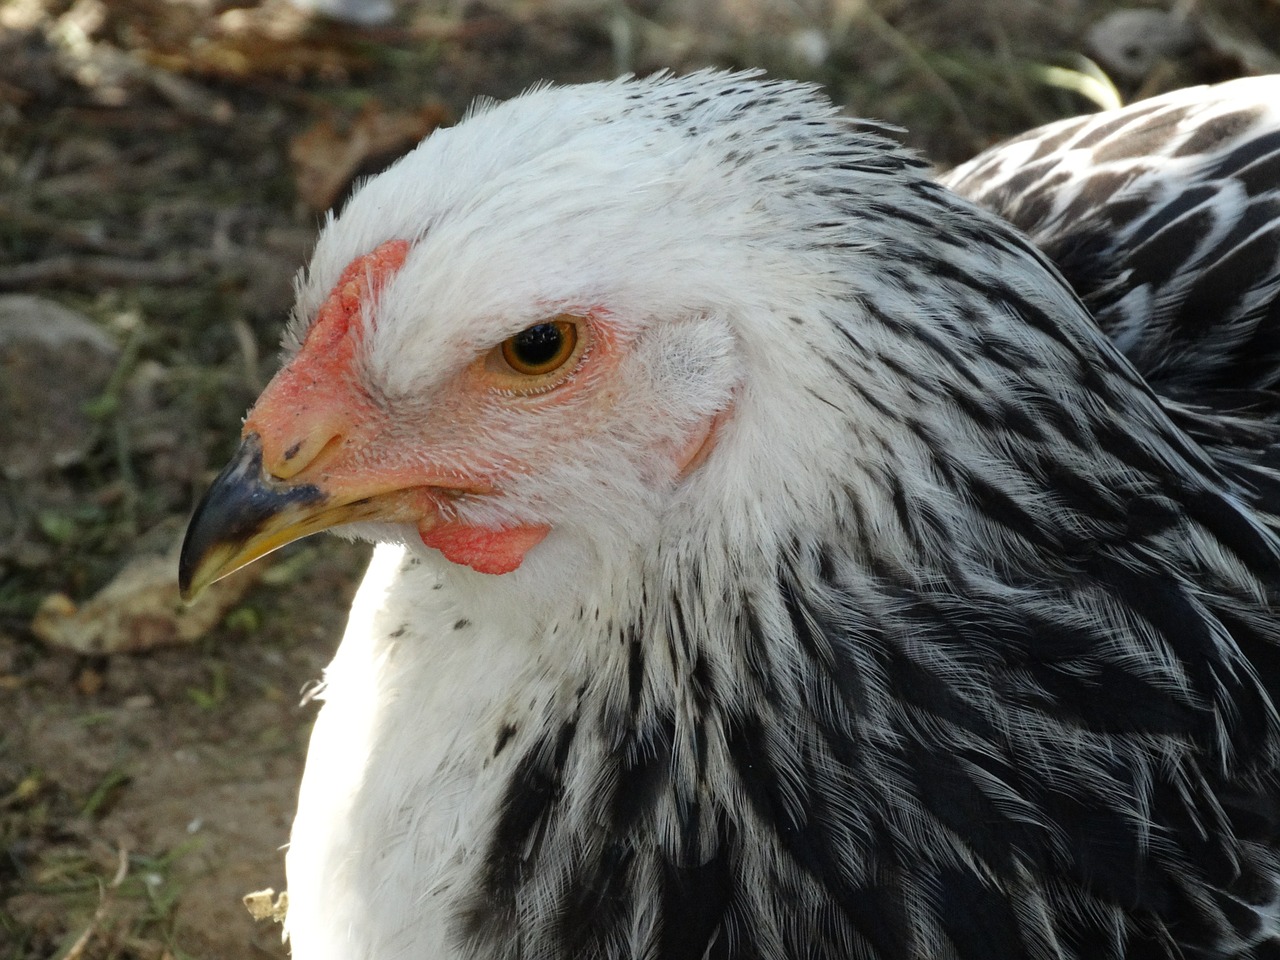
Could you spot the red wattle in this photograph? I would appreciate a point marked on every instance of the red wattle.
(481, 549)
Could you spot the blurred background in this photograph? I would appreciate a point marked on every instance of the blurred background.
(164, 167)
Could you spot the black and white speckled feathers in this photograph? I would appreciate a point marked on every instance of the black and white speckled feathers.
(1028, 713)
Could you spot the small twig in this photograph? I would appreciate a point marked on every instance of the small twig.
(106, 406)
(93, 271)
(77, 949)
(188, 97)
(82, 941)
(122, 867)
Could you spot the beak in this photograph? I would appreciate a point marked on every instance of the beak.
(246, 514)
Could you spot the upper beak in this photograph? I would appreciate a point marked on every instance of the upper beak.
(247, 513)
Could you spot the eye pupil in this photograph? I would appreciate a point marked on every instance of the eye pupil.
(542, 348)
(538, 345)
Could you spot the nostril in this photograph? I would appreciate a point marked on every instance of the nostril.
(302, 422)
(310, 451)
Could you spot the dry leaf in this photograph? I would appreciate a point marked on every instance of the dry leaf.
(261, 906)
(328, 156)
(139, 610)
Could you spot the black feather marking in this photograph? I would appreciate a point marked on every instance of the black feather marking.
(1234, 532)
(1185, 201)
(1049, 144)
(755, 651)
(819, 639)
(931, 694)
(878, 913)
(978, 917)
(1137, 140)
(532, 794)
(1246, 153)
(507, 731)
(949, 791)
(598, 903)
(1108, 856)
(999, 506)
(803, 833)
(696, 900)
(635, 670)
(643, 773)
(744, 737)
(1261, 175)
(1252, 257)
(1164, 253)
(1102, 131)
(1087, 198)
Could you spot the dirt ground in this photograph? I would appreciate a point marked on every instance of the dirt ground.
(163, 168)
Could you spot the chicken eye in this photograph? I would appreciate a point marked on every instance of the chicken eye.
(542, 348)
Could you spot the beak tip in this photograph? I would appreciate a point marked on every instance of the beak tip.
(190, 583)
(242, 516)
(186, 586)
(215, 522)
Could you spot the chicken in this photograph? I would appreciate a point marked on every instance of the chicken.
(775, 559)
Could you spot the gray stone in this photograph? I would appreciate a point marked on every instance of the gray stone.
(53, 362)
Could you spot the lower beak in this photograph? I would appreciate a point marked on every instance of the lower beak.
(247, 513)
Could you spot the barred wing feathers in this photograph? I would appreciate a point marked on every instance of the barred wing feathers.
(1165, 218)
